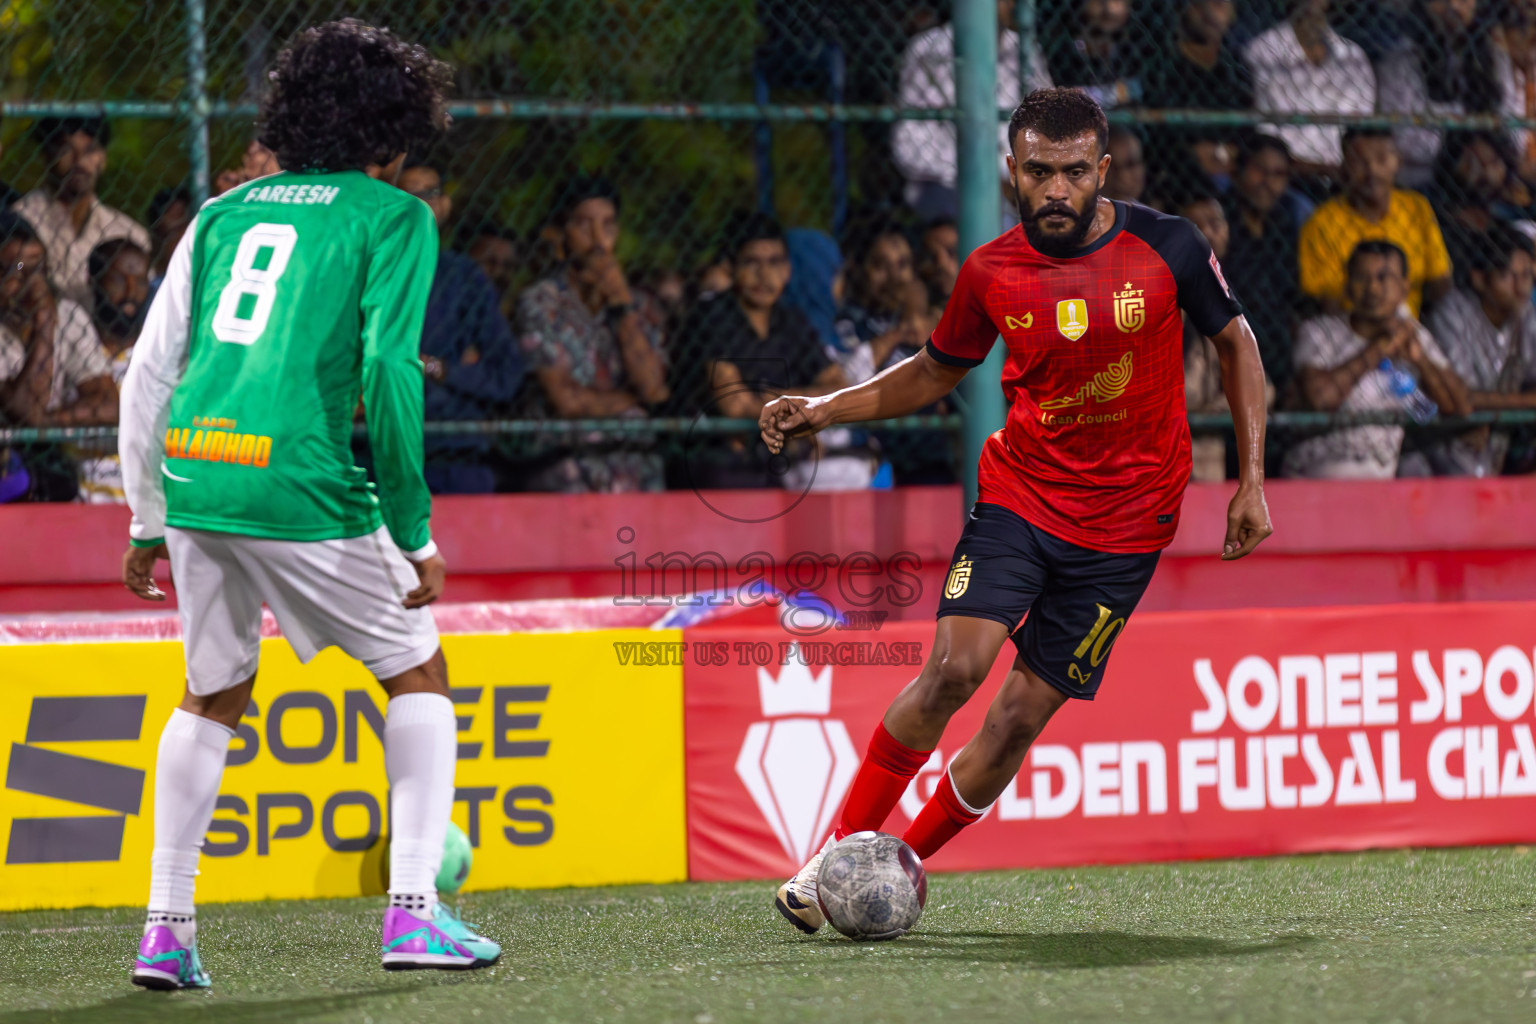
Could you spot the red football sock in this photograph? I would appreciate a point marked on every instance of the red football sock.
(888, 767)
(941, 820)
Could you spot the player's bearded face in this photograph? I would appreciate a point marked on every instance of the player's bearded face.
(1056, 227)
(1058, 187)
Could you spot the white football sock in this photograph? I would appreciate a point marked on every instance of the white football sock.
(420, 748)
(188, 770)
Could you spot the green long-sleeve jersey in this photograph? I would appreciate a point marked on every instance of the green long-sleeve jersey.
(290, 299)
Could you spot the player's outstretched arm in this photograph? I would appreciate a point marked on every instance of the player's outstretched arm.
(912, 384)
(1242, 379)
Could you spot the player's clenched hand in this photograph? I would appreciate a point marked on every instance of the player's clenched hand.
(1247, 522)
(432, 573)
(139, 571)
(792, 416)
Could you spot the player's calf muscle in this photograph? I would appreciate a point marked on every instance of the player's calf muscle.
(1014, 721)
(1019, 714)
(1012, 731)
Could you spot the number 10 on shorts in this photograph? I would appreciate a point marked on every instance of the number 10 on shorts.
(1095, 645)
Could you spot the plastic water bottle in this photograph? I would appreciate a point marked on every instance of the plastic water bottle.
(1406, 388)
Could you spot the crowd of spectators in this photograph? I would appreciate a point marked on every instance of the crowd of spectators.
(1313, 223)
(1380, 270)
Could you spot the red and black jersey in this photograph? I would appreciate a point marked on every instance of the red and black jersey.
(1096, 447)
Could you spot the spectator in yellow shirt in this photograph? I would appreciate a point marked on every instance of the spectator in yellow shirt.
(1370, 209)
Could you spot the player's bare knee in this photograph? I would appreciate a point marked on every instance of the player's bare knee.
(952, 678)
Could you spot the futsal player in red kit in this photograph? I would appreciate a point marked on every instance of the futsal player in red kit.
(1080, 490)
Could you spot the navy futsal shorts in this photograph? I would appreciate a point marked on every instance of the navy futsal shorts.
(1077, 600)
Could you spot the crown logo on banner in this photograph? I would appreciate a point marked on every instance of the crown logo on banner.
(796, 691)
(798, 764)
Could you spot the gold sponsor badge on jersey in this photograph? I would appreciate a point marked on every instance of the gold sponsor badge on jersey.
(1105, 386)
(959, 578)
(1072, 318)
(1020, 324)
(1130, 309)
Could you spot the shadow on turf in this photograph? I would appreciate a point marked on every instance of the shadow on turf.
(160, 1007)
(1087, 949)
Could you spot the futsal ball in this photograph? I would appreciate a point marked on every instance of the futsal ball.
(457, 857)
(872, 886)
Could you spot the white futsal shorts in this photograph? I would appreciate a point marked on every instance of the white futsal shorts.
(345, 592)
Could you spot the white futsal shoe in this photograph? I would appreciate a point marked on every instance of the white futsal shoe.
(796, 898)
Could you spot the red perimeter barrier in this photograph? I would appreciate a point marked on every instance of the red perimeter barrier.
(1374, 542)
(1216, 734)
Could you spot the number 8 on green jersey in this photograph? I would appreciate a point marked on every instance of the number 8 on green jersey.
(245, 304)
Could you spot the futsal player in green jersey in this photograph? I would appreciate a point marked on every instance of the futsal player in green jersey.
(288, 299)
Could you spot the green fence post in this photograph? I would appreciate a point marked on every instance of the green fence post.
(197, 98)
(980, 201)
(1025, 24)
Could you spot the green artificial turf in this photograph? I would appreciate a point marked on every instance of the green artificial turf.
(1437, 936)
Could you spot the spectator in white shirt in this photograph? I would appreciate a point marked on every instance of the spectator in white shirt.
(70, 221)
(924, 151)
(1488, 333)
(120, 290)
(1443, 65)
(53, 370)
(1338, 362)
(119, 299)
(1304, 66)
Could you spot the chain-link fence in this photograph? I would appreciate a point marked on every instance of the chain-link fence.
(1287, 133)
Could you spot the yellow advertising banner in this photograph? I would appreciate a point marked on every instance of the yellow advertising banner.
(570, 770)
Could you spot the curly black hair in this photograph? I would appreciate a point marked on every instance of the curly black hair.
(1059, 114)
(346, 94)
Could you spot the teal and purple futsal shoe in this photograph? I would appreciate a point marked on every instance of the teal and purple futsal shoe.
(444, 943)
(164, 963)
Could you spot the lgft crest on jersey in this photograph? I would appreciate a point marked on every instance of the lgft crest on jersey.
(1130, 309)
